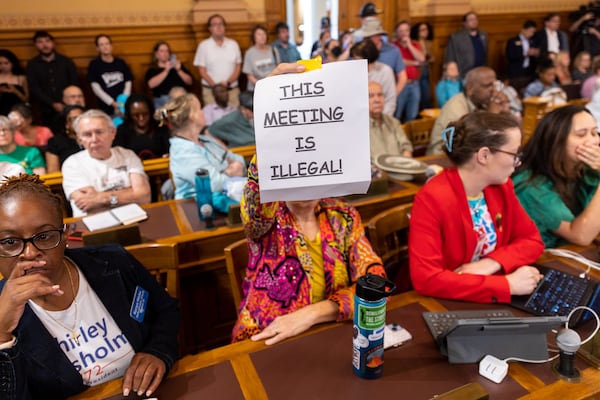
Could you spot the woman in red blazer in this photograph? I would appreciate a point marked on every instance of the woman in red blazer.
(469, 238)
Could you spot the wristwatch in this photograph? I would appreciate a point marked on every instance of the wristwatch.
(114, 200)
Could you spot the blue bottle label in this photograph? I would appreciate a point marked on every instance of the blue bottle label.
(369, 325)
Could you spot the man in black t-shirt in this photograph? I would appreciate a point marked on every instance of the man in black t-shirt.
(48, 74)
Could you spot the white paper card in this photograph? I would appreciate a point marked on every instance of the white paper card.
(312, 133)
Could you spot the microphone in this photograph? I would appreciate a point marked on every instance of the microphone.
(568, 341)
(206, 211)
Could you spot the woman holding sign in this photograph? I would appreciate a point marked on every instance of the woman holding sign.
(304, 259)
(469, 237)
(73, 318)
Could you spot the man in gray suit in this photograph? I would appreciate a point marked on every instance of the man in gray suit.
(468, 47)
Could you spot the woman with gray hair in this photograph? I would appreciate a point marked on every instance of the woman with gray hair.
(29, 159)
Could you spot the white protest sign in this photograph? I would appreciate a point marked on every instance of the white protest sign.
(312, 133)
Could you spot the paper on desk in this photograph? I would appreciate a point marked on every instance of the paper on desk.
(123, 215)
(312, 133)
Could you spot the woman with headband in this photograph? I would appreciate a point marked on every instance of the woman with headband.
(469, 237)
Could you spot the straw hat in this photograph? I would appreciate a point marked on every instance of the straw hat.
(371, 27)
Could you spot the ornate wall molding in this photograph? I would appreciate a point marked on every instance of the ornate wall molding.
(96, 20)
(423, 8)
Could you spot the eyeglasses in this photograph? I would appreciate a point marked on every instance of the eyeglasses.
(97, 132)
(517, 156)
(12, 246)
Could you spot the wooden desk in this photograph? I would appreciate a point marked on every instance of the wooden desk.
(320, 362)
(204, 282)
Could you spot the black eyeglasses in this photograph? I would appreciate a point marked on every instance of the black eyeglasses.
(518, 156)
(13, 246)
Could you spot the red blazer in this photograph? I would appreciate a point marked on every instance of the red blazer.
(441, 238)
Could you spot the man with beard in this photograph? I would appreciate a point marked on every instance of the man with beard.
(219, 60)
(288, 51)
(48, 74)
(480, 94)
(468, 47)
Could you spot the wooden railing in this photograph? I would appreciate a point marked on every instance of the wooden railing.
(535, 108)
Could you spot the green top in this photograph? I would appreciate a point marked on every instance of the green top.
(233, 129)
(545, 206)
(25, 156)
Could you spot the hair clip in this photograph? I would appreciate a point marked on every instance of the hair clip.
(164, 113)
(448, 137)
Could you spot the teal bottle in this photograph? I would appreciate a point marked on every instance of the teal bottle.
(203, 193)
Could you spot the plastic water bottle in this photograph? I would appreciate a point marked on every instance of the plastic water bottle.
(203, 191)
(369, 324)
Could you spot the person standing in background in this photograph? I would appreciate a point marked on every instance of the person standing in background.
(166, 73)
(288, 52)
(422, 32)
(109, 76)
(468, 47)
(367, 11)
(219, 60)
(260, 59)
(48, 74)
(521, 56)
(388, 53)
(13, 82)
(407, 102)
(551, 39)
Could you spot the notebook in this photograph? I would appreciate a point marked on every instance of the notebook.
(123, 215)
(559, 293)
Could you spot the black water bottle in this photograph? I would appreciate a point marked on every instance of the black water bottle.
(369, 324)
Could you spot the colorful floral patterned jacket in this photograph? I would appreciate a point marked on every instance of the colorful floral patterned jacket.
(276, 280)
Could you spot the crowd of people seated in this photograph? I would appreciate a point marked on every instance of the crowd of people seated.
(473, 235)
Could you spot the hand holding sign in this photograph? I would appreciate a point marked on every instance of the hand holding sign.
(312, 133)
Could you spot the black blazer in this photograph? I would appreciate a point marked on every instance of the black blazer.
(541, 38)
(36, 367)
(515, 58)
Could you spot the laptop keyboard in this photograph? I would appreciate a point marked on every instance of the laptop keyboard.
(440, 322)
(557, 294)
